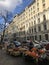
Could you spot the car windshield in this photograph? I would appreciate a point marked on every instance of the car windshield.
(44, 41)
(17, 43)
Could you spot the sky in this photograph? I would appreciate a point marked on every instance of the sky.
(13, 6)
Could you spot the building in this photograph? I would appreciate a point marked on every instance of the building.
(33, 22)
(10, 31)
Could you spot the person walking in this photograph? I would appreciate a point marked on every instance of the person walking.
(31, 45)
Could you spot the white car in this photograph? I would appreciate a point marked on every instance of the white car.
(37, 44)
(44, 42)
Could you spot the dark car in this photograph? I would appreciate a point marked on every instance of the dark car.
(16, 43)
(13, 48)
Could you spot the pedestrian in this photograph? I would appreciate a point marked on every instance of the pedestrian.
(31, 45)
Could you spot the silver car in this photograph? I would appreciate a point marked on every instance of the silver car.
(44, 42)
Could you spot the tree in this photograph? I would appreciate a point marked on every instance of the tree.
(5, 16)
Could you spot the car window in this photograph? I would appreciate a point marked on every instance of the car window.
(44, 41)
(17, 43)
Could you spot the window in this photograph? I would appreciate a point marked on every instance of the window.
(33, 7)
(39, 37)
(38, 20)
(34, 12)
(39, 28)
(46, 36)
(26, 16)
(32, 17)
(43, 1)
(35, 37)
(37, 0)
(23, 32)
(37, 9)
(44, 5)
(44, 17)
(29, 30)
(45, 26)
(37, 4)
(38, 14)
(34, 29)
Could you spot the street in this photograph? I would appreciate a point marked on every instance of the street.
(10, 60)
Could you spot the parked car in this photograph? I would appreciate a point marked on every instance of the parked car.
(35, 41)
(16, 43)
(37, 44)
(16, 51)
(44, 42)
(25, 43)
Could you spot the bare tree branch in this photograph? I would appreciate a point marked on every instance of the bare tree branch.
(5, 17)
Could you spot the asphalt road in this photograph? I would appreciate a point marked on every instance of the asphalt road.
(10, 60)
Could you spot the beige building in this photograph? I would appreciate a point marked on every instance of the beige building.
(33, 22)
(11, 30)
